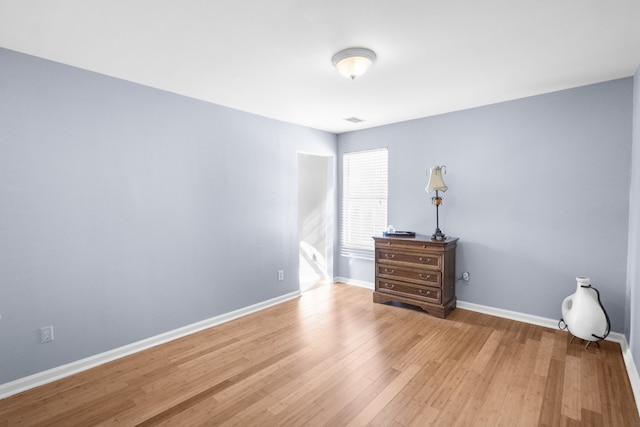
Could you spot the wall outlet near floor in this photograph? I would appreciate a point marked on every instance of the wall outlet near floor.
(46, 334)
(280, 274)
(466, 276)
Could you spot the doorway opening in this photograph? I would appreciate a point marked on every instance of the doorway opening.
(314, 224)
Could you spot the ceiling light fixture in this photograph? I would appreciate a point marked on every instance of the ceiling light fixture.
(354, 61)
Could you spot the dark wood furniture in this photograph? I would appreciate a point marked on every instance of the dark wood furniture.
(417, 271)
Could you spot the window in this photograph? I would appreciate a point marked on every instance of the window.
(364, 201)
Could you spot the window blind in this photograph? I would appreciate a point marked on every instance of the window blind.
(364, 201)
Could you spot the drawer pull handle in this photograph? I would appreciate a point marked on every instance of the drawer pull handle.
(388, 286)
(425, 293)
(425, 276)
(427, 260)
(390, 256)
(386, 270)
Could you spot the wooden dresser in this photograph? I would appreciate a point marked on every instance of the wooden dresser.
(417, 271)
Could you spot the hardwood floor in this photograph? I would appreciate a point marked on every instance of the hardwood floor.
(334, 358)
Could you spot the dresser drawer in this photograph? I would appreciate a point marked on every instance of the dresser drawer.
(429, 260)
(424, 293)
(415, 244)
(419, 276)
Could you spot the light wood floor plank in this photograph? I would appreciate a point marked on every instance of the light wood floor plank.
(384, 397)
(572, 389)
(534, 386)
(334, 358)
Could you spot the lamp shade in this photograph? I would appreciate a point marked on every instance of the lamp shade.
(353, 62)
(436, 182)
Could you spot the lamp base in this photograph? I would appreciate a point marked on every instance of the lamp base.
(438, 235)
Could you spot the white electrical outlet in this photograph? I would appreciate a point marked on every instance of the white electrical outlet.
(46, 334)
(465, 276)
(280, 274)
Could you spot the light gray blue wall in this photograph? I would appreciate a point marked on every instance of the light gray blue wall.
(538, 194)
(127, 211)
(633, 279)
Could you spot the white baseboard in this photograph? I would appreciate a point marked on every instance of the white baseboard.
(527, 318)
(632, 371)
(44, 377)
(353, 282)
(40, 378)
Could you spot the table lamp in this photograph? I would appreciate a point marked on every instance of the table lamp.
(436, 183)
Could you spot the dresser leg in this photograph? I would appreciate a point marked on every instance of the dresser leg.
(434, 310)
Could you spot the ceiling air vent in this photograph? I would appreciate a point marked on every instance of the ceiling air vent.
(355, 120)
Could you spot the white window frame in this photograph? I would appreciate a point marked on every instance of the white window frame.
(365, 176)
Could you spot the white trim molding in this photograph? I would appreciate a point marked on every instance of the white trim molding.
(353, 282)
(619, 338)
(632, 371)
(527, 318)
(50, 375)
(41, 378)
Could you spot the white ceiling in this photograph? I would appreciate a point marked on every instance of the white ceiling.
(273, 57)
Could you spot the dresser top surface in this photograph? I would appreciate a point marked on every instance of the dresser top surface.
(418, 238)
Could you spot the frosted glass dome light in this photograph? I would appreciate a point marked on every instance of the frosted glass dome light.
(354, 61)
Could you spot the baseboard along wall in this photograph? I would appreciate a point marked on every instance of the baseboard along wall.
(50, 375)
(632, 371)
